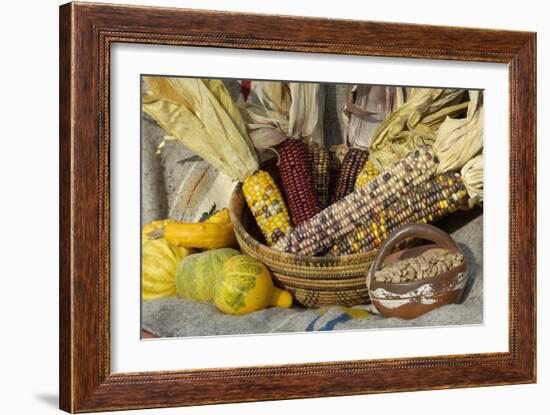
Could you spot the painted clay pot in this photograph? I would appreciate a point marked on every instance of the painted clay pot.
(411, 299)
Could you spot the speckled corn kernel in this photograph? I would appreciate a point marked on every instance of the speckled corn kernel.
(267, 205)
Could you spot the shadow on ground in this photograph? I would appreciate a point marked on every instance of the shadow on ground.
(50, 399)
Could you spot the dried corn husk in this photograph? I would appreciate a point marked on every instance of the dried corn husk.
(400, 94)
(459, 140)
(201, 115)
(267, 120)
(305, 119)
(472, 176)
(265, 126)
(284, 110)
(365, 108)
(273, 96)
(414, 123)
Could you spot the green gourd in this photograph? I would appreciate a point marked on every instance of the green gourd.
(245, 286)
(197, 274)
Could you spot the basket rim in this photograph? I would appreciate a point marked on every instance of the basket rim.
(236, 206)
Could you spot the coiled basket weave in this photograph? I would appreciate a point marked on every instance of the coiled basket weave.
(313, 281)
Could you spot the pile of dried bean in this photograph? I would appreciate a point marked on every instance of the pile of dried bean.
(427, 265)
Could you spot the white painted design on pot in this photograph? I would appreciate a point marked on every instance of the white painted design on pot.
(392, 300)
(425, 294)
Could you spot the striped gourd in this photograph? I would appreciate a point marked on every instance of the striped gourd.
(319, 233)
(428, 202)
(267, 205)
(353, 163)
(320, 162)
(367, 173)
(197, 274)
(295, 171)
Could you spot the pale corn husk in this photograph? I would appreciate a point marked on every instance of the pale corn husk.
(265, 127)
(435, 119)
(365, 108)
(201, 115)
(273, 96)
(267, 120)
(400, 94)
(413, 123)
(459, 140)
(284, 110)
(472, 176)
(305, 119)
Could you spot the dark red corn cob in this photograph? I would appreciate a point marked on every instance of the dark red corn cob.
(353, 162)
(295, 171)
(320, 160)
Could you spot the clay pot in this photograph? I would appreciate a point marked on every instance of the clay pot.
(409, 300)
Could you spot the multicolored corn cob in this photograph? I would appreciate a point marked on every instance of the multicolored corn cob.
(428, 202)
(320, 161)
(352, 164)
(367, 173)
(295, 171)
(335, 164)
(267, 205)
(319, 233)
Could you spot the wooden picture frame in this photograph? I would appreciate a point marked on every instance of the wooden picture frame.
(86, 33)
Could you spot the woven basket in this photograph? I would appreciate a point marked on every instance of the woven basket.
(313, 281)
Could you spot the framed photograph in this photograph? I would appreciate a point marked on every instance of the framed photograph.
(258, 207)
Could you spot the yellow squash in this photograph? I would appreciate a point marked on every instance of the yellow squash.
(216, 232)
(200, 235)
(221, 216)
(152, 227)
(158, 268)
(246, 286)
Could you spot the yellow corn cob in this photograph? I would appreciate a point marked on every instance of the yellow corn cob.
(367, 173)
(267, 205)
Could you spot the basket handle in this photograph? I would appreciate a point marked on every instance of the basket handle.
(415, 230)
